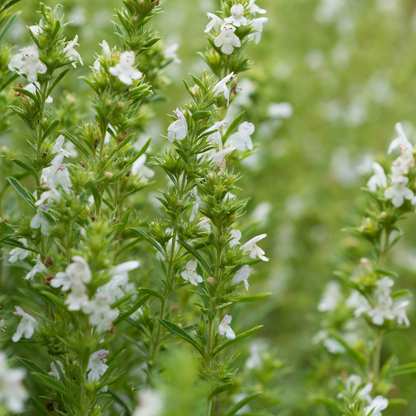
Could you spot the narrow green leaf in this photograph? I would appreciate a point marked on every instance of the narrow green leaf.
(152, 292)
(255, 298)
(237, 339)
(23, 192)
(25, 166)
(179, 332)
(8, 25)
(232, 126)
(401, 370)
(351, 351)
(32, 366)
(220, 389)
(147, 237)
(57, 80)
(76, 143)
(40, 409)
(242, 403)
(133, 309)
(52, 127)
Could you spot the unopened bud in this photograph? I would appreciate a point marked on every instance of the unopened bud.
(179, 203)
(90, 173)
(108, 175)
(16, 232)
(4, 149)
(383, 215)
(33, 236)
(108, 103)
(175, 307)
(180, 325)
(364, 262)
(120, 105)
(45, 121)
(211, 281)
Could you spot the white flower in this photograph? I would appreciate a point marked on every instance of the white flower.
(242, 140)
(254, 8)
(96, 365)
(382, 311)
(61, 279)
(221, 87)
(383, 286)
(27, 62)
(235, 237)
(225, 329)
(219, 157)
(254, 250)
(124, 69)
(198, 203)
(140, 169)
(227, 40)
(71, 53)
(27, 325)
(215, 23)
(358, 302)
(378, 180)
(280, 110)
(19, 253)
(36, 29)
(40, 221)
(106, 52)
(55, 373)
(190, 273)
(32, 87)
(203, 224)
(100, 313)
(242, 276)
(330, 298)
(376, 406)
(53, 194)
(170, 53)
(353, 384)
(150, 403)
(179, 128)
(255, 358)
(399, 311)
(237, 16)
(401, 140)
(398, 191)
(12, 392)
(257, 25)
(58, 147)
(78, 296)
(37, 268)
(333, 346)
(80, 269)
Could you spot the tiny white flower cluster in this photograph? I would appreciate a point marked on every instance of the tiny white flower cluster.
(385, 309)
(12, 392)
(226, 39)
(398, 191)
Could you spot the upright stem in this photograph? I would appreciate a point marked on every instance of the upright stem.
(376, 356)
(208, 360)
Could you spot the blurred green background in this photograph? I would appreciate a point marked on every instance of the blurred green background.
(346, 67)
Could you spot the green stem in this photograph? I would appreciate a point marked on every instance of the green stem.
(376, 356)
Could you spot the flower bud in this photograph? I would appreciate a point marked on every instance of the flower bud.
(16, 232)
(45, 121)
(179, 203)
(120, 105)
(383, 215)
(211, 281)
(108, 175)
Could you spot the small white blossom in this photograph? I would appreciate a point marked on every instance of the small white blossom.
(253, 249)
(55, 373)
(106, 52)
(53, 194)
(97, 365)
(221, 87)
(139, 168)
(255, 358)
(79, 268)
(170, 53)
(27, 62)
(198, 203)
(400, 141)
(61, 279)
(242, 275)
(71, 53)
(19, 253)
(39, 220)
(27, 325)
(382, 311)
(225, 329)
(237, 16)
(378, 180)
(203, 224)
(150, 403)
(219, 157)
(280, 110)
(12, 391)
(78, 296)
(330, 298)
(242, 139)
(376, 406)
(179, 128)
(354, 383)
(215, 23)
(190, 273)
(235, 237)
(384, 286)
(58, 147)
(252, 6)
(399, 311)
(358, 302)
(36, 29)
(398, 192)
(37, 268)
(124, 69)
(227, 40)
(100, 313)
(257, 25)
(32, 87)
